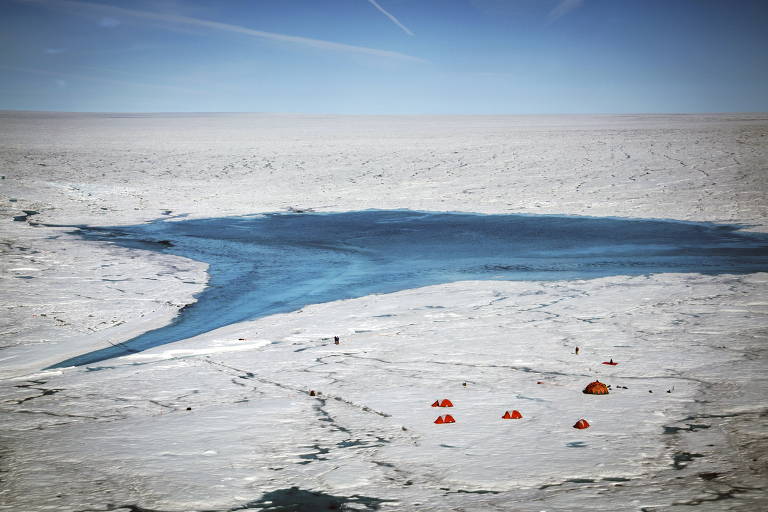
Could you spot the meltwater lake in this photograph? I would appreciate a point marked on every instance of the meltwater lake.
(276, 263)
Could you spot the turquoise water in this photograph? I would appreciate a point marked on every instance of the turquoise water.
(275, 263)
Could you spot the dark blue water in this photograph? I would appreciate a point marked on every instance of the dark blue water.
(266, 264)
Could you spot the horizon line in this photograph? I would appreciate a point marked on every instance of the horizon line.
(422, 114)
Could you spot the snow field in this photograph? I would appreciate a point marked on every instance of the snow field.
(79, 439)
(253, 427)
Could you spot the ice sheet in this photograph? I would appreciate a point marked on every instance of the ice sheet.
(121, 436)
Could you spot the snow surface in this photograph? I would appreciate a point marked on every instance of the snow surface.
(119, 434)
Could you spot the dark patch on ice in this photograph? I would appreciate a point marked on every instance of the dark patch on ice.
(680, 459)
(581, 480)
(292, 209)
(692, 427)
(478, 491)
(349, 443)
(31, 383)
(318, 453)
(569, 481)
(127, 508)
(591, 320)
(23, 277)
(615, 479)
(98, 368)
(43, 392)
(325, 416)
(26, 216)
(576, 444)
(276, 263)
(184, 308)
(300, 500)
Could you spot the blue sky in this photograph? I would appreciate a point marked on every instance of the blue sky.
(385, 56)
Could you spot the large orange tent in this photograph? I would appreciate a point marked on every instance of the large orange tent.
(596, 388)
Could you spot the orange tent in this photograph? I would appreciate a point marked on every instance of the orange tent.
(514, 415)
(445, 419)
(446, 403)
(582, 423)
(436, 403)
(596, 388)
(610, 363)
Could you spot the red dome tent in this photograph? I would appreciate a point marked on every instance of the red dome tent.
(581, 424)
(596, 388)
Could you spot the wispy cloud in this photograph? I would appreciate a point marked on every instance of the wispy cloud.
(108, 22)
(222, 27)
(391, 17)
(563, 8)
